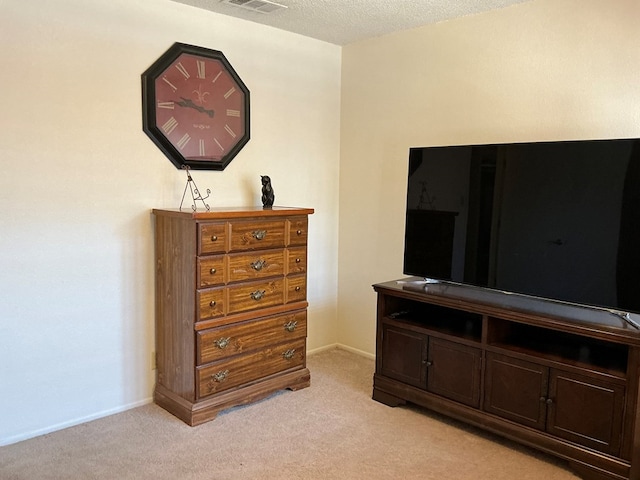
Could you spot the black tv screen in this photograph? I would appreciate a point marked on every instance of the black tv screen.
(558, 220)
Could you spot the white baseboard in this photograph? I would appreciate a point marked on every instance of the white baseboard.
(322, 349)
(342, 347)
(72, 423)
(105, 413)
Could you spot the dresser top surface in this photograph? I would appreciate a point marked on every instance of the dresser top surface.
(233, 212)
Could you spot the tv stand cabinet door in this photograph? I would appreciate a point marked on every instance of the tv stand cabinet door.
(404, 355)
(454, 371)
(516, 390)
(586, 410)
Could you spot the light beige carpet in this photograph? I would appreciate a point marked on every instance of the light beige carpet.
(332, 430)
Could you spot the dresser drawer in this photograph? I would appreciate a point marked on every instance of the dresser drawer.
(254, 235)
(210, 303)
(212, 238)
(297, 231)
(255, 295)
(296, 287)
(210, 271)
(256, 265)
(247, 368)
(296, 260)
(218, 343)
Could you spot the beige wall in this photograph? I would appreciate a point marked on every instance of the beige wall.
(79, 178)
(542, 70)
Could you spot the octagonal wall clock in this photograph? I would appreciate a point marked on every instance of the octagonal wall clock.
(195, 107)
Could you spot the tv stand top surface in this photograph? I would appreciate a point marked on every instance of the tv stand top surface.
(565, 316)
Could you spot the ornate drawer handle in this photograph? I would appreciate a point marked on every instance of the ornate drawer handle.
(258, 294)
(258, 265)
(212, 271)
(290, 326)
(288, 354)
(222, 342)
(259, 234)
(212, 303)
(220, 376)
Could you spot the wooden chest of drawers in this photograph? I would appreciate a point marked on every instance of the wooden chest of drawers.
(231, 307)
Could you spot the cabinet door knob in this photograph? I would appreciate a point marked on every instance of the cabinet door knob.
(297, 289)
(298, 232)
(298, 260)
(427, 363)
(212, 271)
(212, 303)
(214, 238)
(549, 401)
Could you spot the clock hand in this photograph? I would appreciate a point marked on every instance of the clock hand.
(187, 102)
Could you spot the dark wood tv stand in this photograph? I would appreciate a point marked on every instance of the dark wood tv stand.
(561, 378)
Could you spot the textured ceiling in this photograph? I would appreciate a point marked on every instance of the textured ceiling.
(346, 21)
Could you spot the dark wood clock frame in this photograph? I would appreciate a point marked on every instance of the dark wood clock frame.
(234, 141)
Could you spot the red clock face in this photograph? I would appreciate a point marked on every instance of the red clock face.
(196, 108)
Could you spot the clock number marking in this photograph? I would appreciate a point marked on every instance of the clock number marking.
(215, 79)
(183, 141)
(169, 125)
(201, 69)
(233, 113)
(169, 105)
(173, 87)
(201, 147)
(229, 131)
(218, 143)
(229, 93)
(182, 70)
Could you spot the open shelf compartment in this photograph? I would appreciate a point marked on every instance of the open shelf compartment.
(567, 348)
(436, 318)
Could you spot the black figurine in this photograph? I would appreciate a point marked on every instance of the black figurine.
(268, 196)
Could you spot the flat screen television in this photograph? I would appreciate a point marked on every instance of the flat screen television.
(557, 220)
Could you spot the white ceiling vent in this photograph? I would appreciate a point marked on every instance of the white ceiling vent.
(262, 6)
